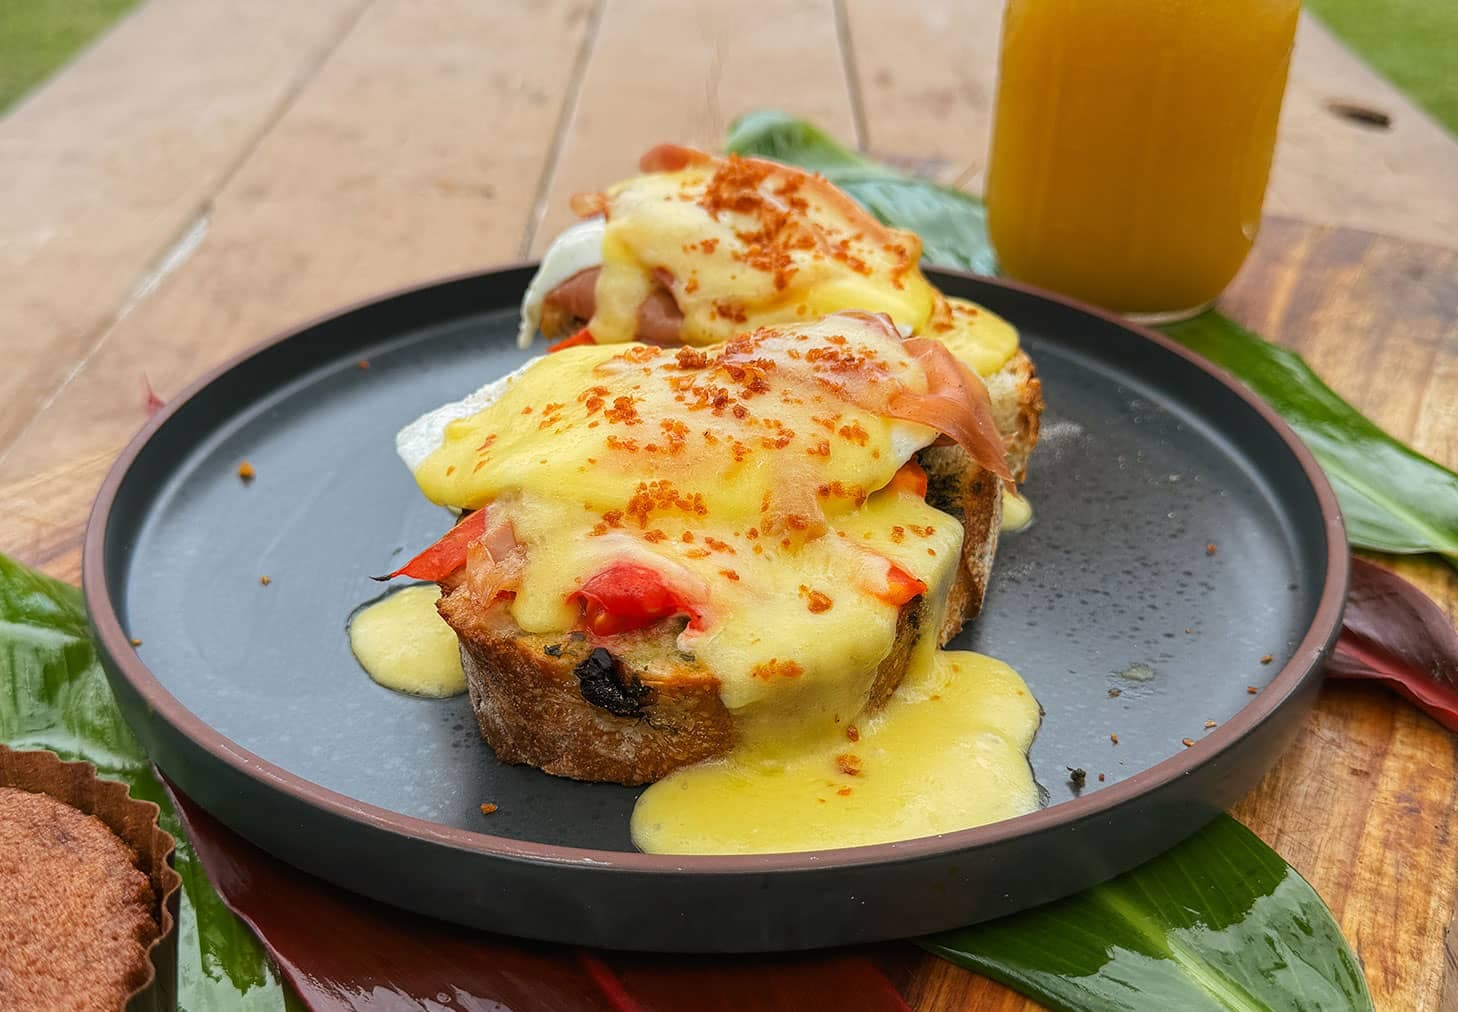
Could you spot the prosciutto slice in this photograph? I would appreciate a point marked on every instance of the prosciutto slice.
(659, 319)
(956, 404)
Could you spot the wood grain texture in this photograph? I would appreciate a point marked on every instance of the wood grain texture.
(927, 74)
(110, 164)
(664, 70)
(408, 157)
(428, 138)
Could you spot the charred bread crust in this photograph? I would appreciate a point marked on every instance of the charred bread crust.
(547, 701)
(1017, 408)
(957, 486)
(629, 710)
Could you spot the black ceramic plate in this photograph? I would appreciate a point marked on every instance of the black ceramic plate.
(1112, 605)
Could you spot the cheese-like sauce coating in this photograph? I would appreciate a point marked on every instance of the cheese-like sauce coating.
(743, 243)
(756, 478)
(767, 508)
(403, 644)
(738, 236)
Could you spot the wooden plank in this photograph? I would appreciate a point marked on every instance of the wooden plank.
(1361, 806)
(666, 70)
(409, 156)
(927, 74)
(927, 77)
(1375, 317)
(111, 163)
(1329, 169)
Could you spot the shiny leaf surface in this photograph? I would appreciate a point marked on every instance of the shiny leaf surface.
(1220, 922)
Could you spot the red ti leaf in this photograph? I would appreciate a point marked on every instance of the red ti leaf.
(345, 953)
(1394, 633)
(153, 402)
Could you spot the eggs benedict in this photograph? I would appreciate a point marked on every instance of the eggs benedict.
(667, 552)
(698, 248)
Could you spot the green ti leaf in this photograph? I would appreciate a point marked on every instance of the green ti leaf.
(54, 695)
(1220, 922)
(1393, 498)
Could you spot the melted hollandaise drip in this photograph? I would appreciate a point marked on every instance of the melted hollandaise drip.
(403, 644)
(948, 752)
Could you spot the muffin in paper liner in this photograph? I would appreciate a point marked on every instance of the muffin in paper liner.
(134, 822)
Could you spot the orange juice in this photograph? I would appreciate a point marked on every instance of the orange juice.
(1132, 144)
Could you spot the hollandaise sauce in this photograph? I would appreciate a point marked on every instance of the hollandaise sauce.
(948, 752)
(403, 644)
(1017, 512)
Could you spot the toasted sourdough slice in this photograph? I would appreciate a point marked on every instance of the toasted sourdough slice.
(634, 712)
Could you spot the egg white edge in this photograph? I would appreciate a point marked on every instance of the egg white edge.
(426, 434)
(578, 248)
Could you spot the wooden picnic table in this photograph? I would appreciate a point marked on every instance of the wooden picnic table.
(213, 172)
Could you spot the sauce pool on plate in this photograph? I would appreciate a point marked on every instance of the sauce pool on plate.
(948, 752)
(403, 643)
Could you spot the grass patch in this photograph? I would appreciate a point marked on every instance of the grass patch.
(1413, 43)
(38, 36)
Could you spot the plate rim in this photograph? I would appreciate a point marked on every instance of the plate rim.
(1318, 639)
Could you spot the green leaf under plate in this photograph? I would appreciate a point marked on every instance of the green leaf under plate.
(1393, 498)
(54, 695)
(1220, 922)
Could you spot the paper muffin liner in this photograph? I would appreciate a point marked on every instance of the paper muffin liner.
(135, 823)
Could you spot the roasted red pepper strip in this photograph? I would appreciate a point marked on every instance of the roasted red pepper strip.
(901, 587)
(626, 596)
(448, 554)
(583, 336)
(910, 478)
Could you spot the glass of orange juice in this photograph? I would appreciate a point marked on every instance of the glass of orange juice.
(1132, 144)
